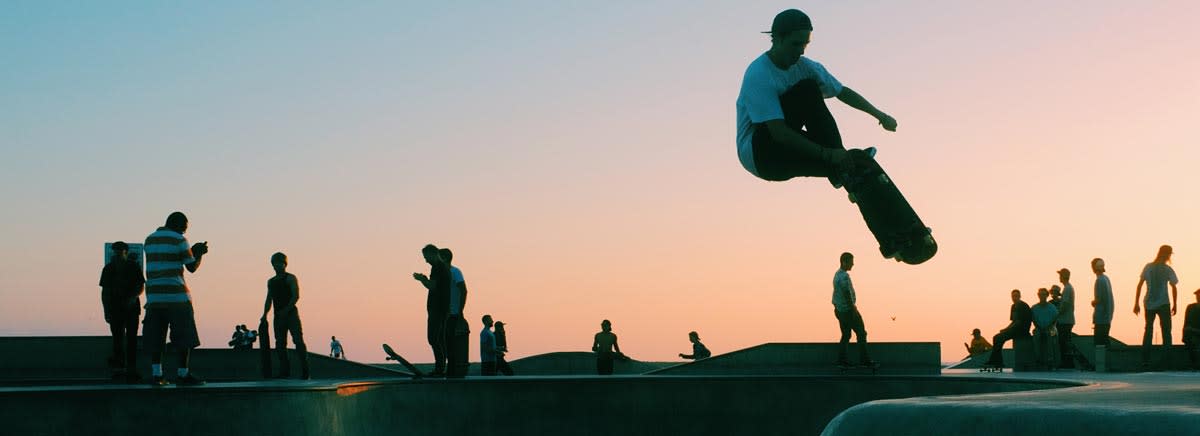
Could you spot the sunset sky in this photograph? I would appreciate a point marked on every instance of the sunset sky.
(579, 158)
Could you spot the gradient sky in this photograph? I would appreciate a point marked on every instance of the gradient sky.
(579, 158)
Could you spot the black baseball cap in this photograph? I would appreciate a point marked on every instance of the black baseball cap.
(790, 21)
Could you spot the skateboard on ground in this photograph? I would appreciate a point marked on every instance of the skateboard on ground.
(900, 232)
(844, 368)
(416, 373)
(264, 345)
(988, 367)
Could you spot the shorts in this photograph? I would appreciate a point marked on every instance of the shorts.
(178, 318)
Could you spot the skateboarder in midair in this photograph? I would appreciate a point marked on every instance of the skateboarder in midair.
(845, 308)
(283, 291)
(782, 90)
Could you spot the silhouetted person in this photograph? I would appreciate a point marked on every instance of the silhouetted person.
(785, 130)
(501, 334)
(437, 305)
(846, 310)
(168, 298)
(1020, 318)
(1044, 315)
(487, 348)
(251, 337)
(1191, 331)
(978, 345)
(121, 285)
(699, 351)
(457, 332)
(1157, 275)
(283, 291)
(335, 349)
(238, 338)
(606, 348)
(1102, 313)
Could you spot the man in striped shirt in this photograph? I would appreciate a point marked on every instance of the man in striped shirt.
(168, 302)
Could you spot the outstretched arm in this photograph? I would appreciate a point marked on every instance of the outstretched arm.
(857, 101)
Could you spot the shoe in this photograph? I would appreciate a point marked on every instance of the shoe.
(158, 381)
(189, 380)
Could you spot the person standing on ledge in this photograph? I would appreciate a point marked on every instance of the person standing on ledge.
(1102, 314)
(487, 348)
(168, 299)
(335, 348)
(606, 348)
(783, 91)
(121, 284)
(457, 332)
(1044, 315)
(1156, 276)
(283, 290)
(1020, 318)
(437, 305)
(699, 351)
(846, 310)
(501, 334)
(1066, 323)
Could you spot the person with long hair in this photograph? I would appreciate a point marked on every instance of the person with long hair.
(1156, 276)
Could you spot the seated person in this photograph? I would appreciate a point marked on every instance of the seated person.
(1020, 318)
(978, 345)
(1191, 331)
(699, 351)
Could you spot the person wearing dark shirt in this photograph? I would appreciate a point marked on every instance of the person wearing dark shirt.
(699, 351)
(121, 283)
(1021, 317)
(502, 365)
(979, 344)
(283, 291)
(1191, 331)
(437, 305)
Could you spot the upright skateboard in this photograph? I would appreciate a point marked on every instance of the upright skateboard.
(264, 345)
(416, 373)
(900, 232)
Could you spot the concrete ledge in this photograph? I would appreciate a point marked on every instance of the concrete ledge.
(910, 358)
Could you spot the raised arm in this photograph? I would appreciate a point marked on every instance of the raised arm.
(857, 101)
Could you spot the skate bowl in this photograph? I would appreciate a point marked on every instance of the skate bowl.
(633, 405)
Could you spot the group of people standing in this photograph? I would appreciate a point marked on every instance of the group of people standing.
(1053, 317)
(169, 308)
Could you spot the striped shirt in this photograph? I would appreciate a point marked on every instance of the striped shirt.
(167, 252)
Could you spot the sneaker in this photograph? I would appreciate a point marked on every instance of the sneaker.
(158, 381)
(189, 380)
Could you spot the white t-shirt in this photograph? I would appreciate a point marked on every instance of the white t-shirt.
(843, 291)
(758, 100)
(1157, 277)
(456, 277)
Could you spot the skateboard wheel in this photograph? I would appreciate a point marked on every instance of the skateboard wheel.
(883, 179)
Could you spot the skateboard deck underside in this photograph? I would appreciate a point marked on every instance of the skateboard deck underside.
(896, 226)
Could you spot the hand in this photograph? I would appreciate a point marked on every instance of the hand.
(1093, 303)
(200, 248)
(1137, 309)
(835, 156)
(887, 122)
(420, 277)
(1173, 309)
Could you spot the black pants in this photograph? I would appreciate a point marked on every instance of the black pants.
(1066, 350)
(604, 363)
(283, 325)
(502, 366)
(457, 343)
(1163, 313)
(435, 333)
(804, 111)
(487, 368)
(997, 358)
(1101, 335)
(848, 321)
(123, 324)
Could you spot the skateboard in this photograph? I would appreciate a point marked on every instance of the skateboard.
(900, 232)
(416, 373)
(873, 367)
(991, 368)
(264, 347)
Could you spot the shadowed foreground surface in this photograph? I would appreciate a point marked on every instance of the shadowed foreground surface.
(630, 405)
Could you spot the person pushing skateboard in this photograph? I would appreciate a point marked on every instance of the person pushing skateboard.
(785, 130)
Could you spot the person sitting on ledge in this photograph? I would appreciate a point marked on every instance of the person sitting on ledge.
(979, 344)
(699, 351)
(1020, 317)
(1191, 331)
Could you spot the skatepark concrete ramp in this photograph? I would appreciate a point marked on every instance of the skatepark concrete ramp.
(591, 405)
(813, 359)
(83, 359)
